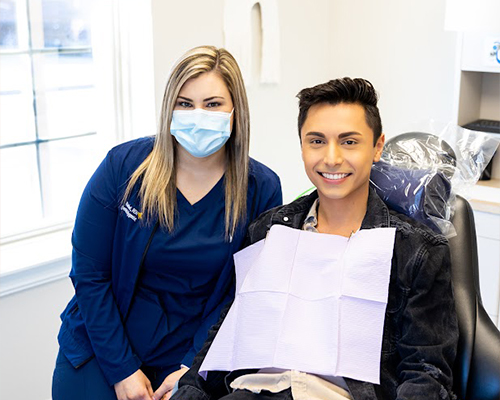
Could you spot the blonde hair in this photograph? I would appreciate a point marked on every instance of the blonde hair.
(157, 173)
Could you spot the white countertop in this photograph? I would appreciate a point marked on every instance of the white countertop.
(486, 196)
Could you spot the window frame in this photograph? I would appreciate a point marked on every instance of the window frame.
(124, 58)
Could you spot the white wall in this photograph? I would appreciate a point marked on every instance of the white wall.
(402, 48)
(304, 38)
(399, 46)
(29, 323)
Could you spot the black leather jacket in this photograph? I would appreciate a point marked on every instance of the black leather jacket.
(420, 330)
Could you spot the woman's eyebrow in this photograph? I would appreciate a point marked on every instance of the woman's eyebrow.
(207, 99)
(213, 97)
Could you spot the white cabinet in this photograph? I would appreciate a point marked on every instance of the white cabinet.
(477, 79)
(488, 243)
(477, 96)
(477, 83)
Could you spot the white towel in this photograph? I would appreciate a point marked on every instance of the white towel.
(238, 37)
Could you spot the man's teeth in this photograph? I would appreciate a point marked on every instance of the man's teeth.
(333, 176)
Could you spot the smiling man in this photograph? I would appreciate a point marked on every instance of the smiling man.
(341, 136)
(338, 149)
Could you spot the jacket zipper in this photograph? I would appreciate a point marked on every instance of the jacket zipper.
(155, 228)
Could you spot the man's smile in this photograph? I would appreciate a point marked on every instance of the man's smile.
(335, 177)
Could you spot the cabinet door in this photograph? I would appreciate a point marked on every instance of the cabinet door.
(488, 242)
(489, 275)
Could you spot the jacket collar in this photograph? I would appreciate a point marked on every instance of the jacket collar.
(377, 213)
(293, 214)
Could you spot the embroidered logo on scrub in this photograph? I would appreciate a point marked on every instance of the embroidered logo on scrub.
(131, 212)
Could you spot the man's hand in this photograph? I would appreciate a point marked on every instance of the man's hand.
(164, 392)
(135, 387)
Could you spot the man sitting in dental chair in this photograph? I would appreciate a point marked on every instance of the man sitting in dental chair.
(337, 296)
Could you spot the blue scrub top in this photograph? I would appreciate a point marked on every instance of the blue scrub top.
(109, 241)
(179, 274)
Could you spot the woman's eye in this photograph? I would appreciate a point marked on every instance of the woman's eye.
(213, 104)
(184, 104)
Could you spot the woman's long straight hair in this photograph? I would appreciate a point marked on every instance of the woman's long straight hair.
(157, 174)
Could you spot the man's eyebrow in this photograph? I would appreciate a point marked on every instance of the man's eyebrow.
(348, 134)
(317, 134)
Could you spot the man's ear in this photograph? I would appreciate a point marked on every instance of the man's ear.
(379, 147)
(301, 148)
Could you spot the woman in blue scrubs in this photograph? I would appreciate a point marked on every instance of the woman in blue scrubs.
(154, 236)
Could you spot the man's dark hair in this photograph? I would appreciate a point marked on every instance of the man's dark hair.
(344, 90)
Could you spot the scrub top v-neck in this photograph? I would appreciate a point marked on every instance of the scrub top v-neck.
(179, 274)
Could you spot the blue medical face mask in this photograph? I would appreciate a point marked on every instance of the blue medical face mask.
(201, 132)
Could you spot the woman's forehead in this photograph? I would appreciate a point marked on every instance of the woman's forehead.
(208, 83)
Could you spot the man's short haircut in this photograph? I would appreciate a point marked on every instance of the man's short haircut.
(344, 90)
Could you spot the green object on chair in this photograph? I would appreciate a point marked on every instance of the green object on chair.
(305, 192)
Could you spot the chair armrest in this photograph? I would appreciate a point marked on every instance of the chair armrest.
(484, 378)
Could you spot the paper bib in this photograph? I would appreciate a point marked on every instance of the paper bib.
(308, 301)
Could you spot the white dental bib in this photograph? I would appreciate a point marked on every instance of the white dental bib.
(310, 302)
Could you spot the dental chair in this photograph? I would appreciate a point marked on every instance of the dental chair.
(477, 366)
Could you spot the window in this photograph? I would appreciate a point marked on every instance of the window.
(65, 98)
(47, 111)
